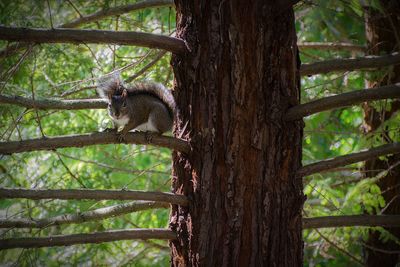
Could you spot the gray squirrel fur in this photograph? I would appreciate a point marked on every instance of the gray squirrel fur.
(148, 107)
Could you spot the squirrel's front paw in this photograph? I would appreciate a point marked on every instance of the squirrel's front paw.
(121, 137)
(110, 130)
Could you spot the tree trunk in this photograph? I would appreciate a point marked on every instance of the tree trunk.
(233, 87)
(383, 33)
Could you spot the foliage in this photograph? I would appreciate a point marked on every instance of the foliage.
(337, 132)
(69, 71)
(48, 71)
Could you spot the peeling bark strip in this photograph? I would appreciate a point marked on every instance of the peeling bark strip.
(79, 194)
(349, 159)
(99, 237)
(150, 40)
(53, 103)
(233, 89)
(343, 100)
(349, 64)
(115, 11)
(96, 138)
(352, 220)
(332, 46)
(92, 215)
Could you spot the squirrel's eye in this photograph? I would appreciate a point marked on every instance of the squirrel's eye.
(124, 105)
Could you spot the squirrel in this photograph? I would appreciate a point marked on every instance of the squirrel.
(148, 107)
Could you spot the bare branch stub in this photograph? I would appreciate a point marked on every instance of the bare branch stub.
(349, 159)
(343, 100)
(349, 64)
(352, 220)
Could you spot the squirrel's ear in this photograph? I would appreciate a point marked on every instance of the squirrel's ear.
(109, 96)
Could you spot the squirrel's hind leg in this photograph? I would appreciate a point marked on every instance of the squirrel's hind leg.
(159, 121)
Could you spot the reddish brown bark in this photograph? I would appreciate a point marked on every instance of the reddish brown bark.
(382, 29)
(233, 89)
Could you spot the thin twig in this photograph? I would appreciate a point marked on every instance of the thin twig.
(14, 69)
(33, 97)
(159, 56)
(118, 169)
(76, 10)
(340, 249)
(51, 18)
(69, 171)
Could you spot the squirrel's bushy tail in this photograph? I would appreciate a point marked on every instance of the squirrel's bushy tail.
(110, 85)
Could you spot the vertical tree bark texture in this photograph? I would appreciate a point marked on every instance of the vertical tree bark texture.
(232, 89)
(383, 36)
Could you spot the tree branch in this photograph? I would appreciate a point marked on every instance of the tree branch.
(352, 220)
(115, 235)
(172, 44)
(349, 159)
(107, 212)
(331, 46)
(86, 216)
(349, 64)
(115, 11)
(53, 103)
(342, 100)
(79, 194)
(99, 237)
(96, 138)
(294, 113)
